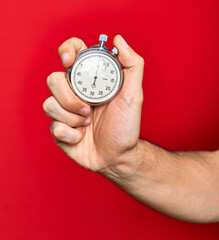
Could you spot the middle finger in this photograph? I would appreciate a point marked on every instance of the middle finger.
(60, 89)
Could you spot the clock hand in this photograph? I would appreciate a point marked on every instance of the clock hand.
(94, 83)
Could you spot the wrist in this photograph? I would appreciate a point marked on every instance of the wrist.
(125, 167)
(139, 167)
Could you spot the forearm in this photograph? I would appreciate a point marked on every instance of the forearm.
(183, 185)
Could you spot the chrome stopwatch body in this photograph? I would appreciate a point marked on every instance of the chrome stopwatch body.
(96, 76)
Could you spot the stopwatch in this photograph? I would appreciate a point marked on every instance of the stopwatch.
(96, 76)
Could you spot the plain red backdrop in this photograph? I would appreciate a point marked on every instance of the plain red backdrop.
(44, 194)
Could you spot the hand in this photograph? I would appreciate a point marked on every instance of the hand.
(97, 137)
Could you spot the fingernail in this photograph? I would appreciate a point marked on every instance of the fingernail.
(124, 43)
(65, 57)
(84, 111)
(87, 121)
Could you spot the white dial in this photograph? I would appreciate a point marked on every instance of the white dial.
(96, 77)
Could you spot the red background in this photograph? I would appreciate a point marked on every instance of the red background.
(44, 194)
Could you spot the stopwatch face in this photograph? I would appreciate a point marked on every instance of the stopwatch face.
(96, 77)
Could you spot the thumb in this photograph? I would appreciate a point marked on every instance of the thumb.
(133, 68)
(127, 56)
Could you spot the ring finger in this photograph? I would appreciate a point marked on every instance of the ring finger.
(55, 111)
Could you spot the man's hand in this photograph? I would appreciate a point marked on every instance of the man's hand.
(105, 139)
(101, 136)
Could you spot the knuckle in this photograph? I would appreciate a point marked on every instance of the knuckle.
(51, 79)
(49, 105)
(59, 132)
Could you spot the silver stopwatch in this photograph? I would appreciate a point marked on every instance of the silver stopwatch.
(96, 76)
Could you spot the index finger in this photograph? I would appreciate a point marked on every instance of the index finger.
(69, 49)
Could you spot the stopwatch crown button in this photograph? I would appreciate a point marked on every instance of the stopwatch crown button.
(115, 51)
(103, 38)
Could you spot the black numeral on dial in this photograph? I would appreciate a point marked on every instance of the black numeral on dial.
(84, 89)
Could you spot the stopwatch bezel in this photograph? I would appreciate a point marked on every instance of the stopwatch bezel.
(94, 50)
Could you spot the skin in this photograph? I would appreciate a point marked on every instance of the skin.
(105, 139)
